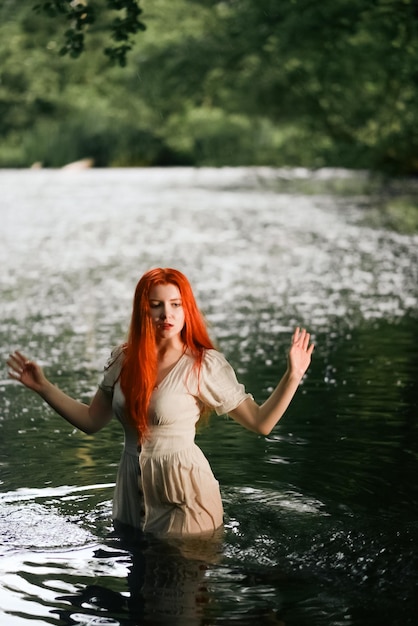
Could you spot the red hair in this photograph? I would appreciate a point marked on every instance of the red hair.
(139, 369)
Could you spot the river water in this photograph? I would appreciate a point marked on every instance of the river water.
(320, 516)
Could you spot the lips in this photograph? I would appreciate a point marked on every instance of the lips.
(165, 326)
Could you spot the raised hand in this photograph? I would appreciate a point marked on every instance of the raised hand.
(300, 352)
(26, 372)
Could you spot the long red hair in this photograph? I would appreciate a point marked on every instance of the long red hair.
(139, 369)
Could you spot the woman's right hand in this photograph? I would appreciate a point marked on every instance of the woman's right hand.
(26, 372)
(88, 418)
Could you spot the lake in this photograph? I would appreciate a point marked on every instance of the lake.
(321, 515)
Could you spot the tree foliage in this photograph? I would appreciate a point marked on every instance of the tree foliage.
(80, 15)
(343, 72)
(213, 82)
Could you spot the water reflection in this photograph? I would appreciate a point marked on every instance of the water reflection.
(165, 584)
(283, 556)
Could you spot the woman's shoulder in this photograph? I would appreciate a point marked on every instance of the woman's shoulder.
(211, 364)
(112, 368)
(117, 352)
(116, 357)
(213, 359)
(114, 363)
(218, 386)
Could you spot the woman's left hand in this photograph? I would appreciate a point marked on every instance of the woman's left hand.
(300, 352)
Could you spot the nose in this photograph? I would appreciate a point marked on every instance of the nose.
(163, 314)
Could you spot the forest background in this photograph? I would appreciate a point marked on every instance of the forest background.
(233, 82)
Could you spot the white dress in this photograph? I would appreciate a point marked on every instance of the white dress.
(180, 493)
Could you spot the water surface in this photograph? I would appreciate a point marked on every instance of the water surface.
(321, 515)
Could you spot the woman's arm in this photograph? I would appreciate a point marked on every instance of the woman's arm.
(88, 418)
(262, 419)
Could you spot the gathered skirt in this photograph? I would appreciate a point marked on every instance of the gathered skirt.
(181, 494)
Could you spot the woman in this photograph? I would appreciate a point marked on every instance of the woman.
(158, 385)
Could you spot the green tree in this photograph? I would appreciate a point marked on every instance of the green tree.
(80, 15)
(341, 73)
(238, 82)
(54, 109)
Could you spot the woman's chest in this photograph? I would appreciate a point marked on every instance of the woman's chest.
(173, 406)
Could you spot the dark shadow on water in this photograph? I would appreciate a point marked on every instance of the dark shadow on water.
(179, 583)
(334, 580)
(166, 582)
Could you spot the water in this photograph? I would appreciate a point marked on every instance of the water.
(321, 516)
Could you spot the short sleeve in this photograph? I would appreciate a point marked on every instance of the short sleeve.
(112, 371)
(219, 388)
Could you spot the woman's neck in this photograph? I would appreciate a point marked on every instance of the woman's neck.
(170, 347)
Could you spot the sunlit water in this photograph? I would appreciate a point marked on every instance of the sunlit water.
(321, 516)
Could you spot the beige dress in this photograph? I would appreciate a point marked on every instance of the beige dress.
(180, 493)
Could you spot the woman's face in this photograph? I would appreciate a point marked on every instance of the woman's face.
(166, 309)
